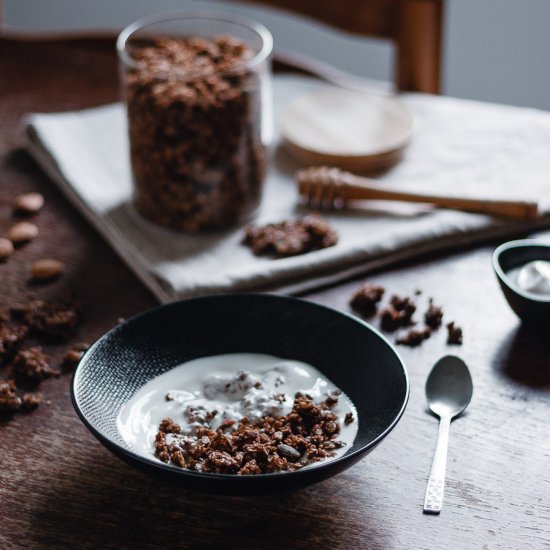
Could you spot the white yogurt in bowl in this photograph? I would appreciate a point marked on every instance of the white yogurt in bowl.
(233, 385)
(533, 277)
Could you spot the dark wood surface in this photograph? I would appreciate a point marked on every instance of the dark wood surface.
(60, 488)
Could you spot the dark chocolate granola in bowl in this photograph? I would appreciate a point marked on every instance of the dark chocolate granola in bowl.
(307, 435)
(197, 104)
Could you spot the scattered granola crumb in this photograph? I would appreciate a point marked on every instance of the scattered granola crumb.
(404, 305)
(366, 299)
(70, 359)
(397, 314)
(390, 319)
(433, 315)
(454, 334)
(291, 238)
(348, 419)
(414, 337)
(9, 400)
(52, 320)
(32, 365)
(30, 401)
(72, 356)
(10, 339)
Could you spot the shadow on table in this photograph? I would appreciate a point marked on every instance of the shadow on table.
(100, 503)
(524, 356)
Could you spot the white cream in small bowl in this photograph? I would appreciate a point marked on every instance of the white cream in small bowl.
(532, 277)
(522, 268)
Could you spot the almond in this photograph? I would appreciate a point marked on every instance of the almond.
(45, 270)
(28, 203)
(22, 232)
(6, 249)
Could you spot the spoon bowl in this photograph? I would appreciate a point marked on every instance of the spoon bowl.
(449, 389)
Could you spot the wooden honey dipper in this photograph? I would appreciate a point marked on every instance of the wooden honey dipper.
(324, 186)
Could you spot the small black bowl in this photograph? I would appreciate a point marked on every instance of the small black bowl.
(349, 352)
(531, 308)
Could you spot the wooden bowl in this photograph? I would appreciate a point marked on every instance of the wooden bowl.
(353, 130)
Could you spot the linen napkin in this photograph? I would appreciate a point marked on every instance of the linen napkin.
(462, 147)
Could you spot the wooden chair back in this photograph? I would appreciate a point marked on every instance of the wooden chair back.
(414, 26)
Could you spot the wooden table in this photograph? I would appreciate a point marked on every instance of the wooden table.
(60, 488)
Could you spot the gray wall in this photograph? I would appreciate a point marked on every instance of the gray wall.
(499, 50)
(494, 50)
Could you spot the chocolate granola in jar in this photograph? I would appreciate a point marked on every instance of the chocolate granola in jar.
(197, 90)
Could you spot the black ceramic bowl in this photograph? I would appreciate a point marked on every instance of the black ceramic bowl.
(348, 351)
(531, 308)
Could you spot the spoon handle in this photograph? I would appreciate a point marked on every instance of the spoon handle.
(436, 481)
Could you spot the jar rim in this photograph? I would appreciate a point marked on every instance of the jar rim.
(260, 29)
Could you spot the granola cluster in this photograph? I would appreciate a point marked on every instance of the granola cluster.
(53, 321)
(27, 366)
(11, 402)
(398, 314)
(454, 334)
(32, 366)
(290, 238)
(366, 298)
(195, 115)
(308, 434)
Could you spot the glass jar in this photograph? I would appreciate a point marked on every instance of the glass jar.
(198, 94)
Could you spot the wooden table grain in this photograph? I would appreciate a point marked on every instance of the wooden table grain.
(59, 488)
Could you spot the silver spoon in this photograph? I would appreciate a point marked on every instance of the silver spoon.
(448, 390)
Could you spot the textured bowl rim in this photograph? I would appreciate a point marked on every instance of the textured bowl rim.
(297, 474)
